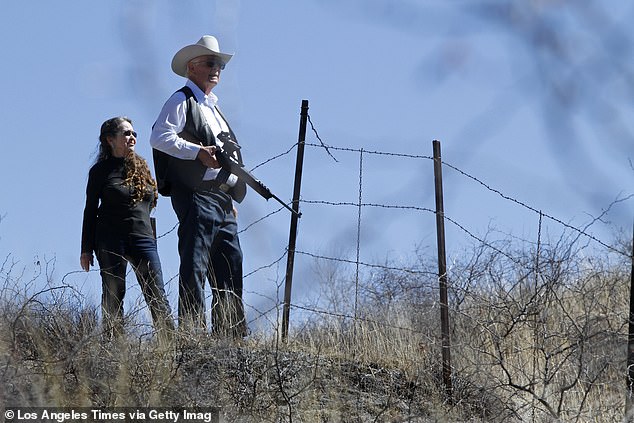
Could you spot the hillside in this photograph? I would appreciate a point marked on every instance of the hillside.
(545, 345)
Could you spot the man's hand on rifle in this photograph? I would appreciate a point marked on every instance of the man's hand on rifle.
(207, 155)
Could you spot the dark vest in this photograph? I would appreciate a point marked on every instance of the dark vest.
(171, 171)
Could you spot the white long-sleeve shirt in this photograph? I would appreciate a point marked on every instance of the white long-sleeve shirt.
(171, 121)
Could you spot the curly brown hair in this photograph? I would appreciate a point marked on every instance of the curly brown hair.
(135, 169)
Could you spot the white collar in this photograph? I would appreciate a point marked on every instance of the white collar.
(210, 100)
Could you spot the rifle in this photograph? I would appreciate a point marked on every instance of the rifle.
(224, 156)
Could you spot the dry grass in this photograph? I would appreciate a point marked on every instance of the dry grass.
(532, 340)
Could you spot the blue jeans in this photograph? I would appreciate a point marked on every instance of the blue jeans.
(113, 254)
(209, 249)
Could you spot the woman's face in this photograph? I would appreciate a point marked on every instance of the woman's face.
(122, 143)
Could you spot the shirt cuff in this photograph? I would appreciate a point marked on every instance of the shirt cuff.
(192, 151)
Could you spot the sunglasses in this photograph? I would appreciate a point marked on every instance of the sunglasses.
(129, 132)
(213, 64)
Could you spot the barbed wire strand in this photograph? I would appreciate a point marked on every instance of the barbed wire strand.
(261, 219)
(533, 209)
(370, 265)
(275, 157)
(168, 232)
(361, 319)
(323, 145)
(266, 266)
(417, 208)
(374, 152)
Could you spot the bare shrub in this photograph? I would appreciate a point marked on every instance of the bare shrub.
(544, 329)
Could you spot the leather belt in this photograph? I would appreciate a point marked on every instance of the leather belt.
(213, 185)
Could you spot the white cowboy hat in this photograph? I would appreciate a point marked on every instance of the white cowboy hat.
(207, 45)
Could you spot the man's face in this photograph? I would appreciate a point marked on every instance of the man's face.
(204, 71)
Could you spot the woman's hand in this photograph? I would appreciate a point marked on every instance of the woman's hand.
(85, 260)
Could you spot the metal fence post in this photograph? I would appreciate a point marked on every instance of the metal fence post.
(292, 238)
(629, 407)
(442, 272)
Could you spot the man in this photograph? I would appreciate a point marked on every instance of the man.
(185, 139)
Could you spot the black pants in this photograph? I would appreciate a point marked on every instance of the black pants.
(141, 252)
(209, 249)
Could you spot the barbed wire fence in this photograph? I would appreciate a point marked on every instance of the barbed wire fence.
(534, 277)
(427, 279)
(483, 291)
(359, 205)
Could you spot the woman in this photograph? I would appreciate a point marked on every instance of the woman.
(119, 197)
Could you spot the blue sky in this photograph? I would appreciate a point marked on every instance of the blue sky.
(379, 75)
